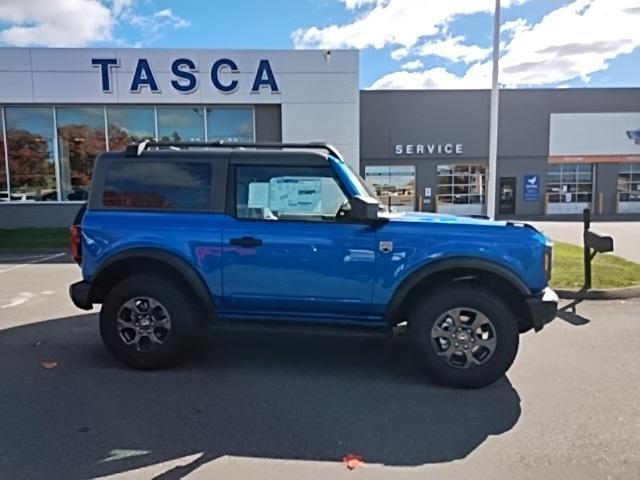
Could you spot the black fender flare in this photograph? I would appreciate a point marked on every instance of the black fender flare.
(432, 268)
(173, 260)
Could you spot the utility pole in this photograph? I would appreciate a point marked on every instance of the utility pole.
(492, 172)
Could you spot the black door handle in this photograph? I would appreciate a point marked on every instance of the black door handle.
(246, 242)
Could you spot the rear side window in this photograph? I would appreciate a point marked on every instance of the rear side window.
(163, 185)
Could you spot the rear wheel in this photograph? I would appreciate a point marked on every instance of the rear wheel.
(464, 335)
(146, 322)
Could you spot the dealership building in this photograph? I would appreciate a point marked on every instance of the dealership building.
(559, 151)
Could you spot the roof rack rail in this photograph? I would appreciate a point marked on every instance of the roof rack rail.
(136, 149)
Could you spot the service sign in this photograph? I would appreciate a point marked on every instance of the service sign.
(428, 149)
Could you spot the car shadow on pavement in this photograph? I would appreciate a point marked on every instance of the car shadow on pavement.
(259, 394)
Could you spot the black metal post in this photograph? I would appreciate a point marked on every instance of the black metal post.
(586, 219)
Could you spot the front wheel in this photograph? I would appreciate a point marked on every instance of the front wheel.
(146, 322)
(464, 335)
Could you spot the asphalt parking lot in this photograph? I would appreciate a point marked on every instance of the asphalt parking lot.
(283, 405)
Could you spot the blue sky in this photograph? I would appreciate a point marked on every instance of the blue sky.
(403, 43)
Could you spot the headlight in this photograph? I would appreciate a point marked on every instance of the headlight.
(548, 257)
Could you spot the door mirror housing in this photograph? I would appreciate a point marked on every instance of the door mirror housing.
(364, 208)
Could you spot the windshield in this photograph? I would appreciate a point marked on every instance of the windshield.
(356, 182)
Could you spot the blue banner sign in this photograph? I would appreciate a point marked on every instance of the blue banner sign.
(531, 188)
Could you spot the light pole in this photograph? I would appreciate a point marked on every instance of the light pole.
(492, 172)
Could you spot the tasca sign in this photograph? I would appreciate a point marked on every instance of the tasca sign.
(185, 76)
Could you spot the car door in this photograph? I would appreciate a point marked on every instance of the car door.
(286, 249)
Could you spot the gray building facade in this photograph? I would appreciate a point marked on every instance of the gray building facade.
(559, 151)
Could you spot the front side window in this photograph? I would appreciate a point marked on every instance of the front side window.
(80, 140)
(288, 193)
(32, 171)
(157, 185)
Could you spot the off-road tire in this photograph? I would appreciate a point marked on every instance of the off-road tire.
(176, 302)
(434, 308)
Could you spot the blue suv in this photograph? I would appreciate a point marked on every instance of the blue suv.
(176, 237)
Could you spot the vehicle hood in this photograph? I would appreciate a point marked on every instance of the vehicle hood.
(454, 220)
(440, 218)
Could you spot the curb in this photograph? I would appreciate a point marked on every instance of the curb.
(607, 294)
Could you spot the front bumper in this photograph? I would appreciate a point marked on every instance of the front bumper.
(543, 307)
(80, 295)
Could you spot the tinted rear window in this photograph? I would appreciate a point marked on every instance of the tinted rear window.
(165, 185)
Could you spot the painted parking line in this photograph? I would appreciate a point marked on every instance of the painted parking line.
(13, 259)
(31, 262)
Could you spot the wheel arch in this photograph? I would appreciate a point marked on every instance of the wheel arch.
(486, 273)
(151, 260)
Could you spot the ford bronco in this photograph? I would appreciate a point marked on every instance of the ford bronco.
(178, 236)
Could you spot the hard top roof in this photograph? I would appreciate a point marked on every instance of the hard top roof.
(137, 149)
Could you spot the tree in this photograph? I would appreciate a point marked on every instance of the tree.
(31, 161)
(79, 145)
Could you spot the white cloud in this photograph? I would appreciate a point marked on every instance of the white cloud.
(437, 77)
(63, 23)
(168, 16)
(413, 65)
(118, 6)
(574, 41)
(355, 4)
(571, 42)
(392, 22)
(152, 25)
(453, 49)
(75, 23)
(400, 53)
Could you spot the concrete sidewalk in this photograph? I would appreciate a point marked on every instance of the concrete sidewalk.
(626, 235)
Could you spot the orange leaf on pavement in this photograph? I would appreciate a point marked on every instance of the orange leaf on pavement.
(353, 461)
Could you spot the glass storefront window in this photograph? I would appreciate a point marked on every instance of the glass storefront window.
(4, 191)
(461, 184)
(394, 185)
(80, 140)
(35, 158)
(629, 182)
(129, 125)
(569, 183)
(230, 124)
(180, 124)
(32, 171)
(629, 188)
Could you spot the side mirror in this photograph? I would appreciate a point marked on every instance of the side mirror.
(364, 208)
